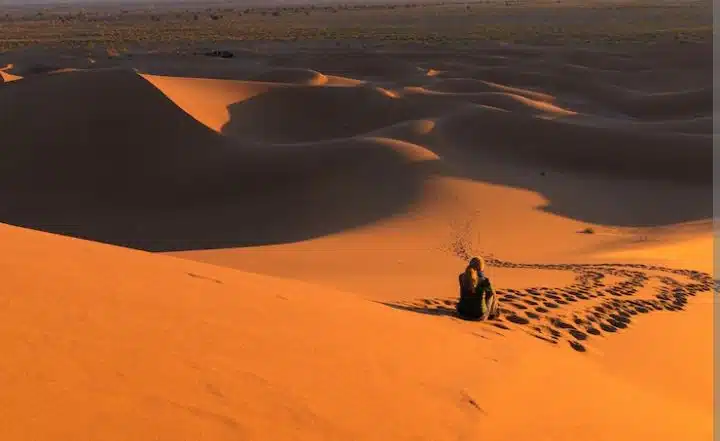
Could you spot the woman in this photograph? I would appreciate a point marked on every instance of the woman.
(477, 296)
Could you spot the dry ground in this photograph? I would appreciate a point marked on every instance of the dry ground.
(266, 246)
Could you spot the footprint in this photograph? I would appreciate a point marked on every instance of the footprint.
(619, 317)
(517, 319)
(617, 323)
(577, 334)
(561, 324)
(607, 328)
(617, 303)
(577, 346)
(593, 331)
(543, 338)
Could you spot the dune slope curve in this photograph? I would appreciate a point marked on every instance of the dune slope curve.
(118, 344)
(128, 166)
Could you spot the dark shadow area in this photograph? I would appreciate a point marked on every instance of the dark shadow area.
(160, 181)
(426, 309)
(601, 199)
(439, 307)
(132, 169)
(285, 214)
(577, 346)
(512, 318)
(634, 194)
(358, 64)
(315, 114)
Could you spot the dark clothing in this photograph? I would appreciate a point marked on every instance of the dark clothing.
(477, 296)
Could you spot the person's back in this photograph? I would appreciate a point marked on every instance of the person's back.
(477, 296)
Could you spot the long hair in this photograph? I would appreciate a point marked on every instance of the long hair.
(478, 264)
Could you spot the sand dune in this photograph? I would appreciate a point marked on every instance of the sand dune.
(469, 85)
(696, 102)
(222, 371)
(698, 126)
(106, 148)
(34, 61)
(360, 64)
(7, 77)
(602, 94)
(107, 184)
(604, 150)
(294, 76)
(644, 106)
(518, 103)
(217, 96)
(155, 159)
(332, 197)
(281, 116)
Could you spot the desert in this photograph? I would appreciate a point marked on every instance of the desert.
(226, 221)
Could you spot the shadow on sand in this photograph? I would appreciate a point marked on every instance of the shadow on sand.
(129, 168)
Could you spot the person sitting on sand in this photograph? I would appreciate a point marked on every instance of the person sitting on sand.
(477, 296)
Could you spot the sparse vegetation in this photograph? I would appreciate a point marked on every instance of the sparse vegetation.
(427, 24)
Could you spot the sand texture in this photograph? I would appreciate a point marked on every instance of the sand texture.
(266, 247)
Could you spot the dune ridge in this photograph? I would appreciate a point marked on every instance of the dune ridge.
(272, 135)
(6, 76)
(127, 160)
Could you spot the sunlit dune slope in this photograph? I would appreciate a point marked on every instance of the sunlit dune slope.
(131, 345)
(207, 100)
(285, 113)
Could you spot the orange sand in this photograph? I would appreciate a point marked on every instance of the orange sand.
(308, 225)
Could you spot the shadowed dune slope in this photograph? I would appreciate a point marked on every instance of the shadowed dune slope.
(603, 93)
(292, 76)
(105, 132)
(469, 85)
(304, 114)
(169, 163)
(357, 64)
(130, 167)
(618, 151)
